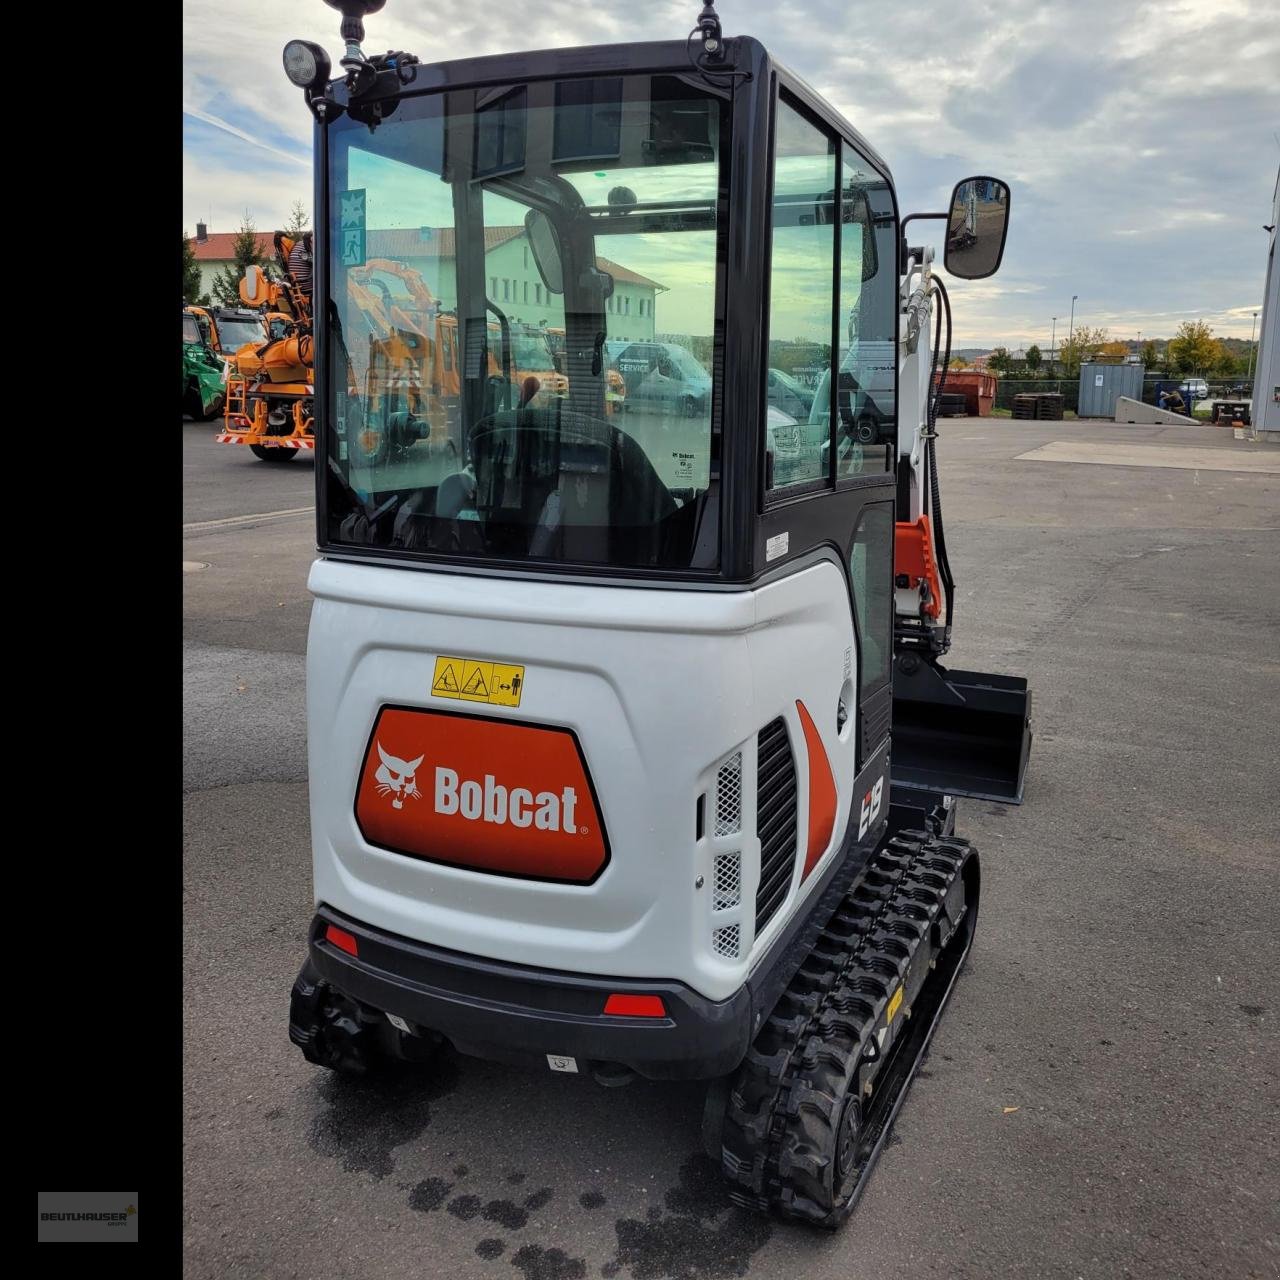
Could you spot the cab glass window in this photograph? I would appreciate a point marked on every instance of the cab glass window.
(871, 575)
(866, 362)
(866, 429)
(801, 296)
(476, 416)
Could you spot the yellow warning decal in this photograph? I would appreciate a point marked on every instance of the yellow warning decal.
(499, 684)
(895, 1002)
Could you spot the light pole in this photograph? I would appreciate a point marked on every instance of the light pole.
(1072, 335)
(1252, 329)
(1052, 341)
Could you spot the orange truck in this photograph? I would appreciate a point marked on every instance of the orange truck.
(615, 387)
(411, 367)
(270, 393)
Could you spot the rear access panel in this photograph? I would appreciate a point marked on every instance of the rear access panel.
(473, 791)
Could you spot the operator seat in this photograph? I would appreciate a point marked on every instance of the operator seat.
(550, 482)
(456, 526)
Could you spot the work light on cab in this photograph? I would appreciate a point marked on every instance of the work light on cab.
(306, 64)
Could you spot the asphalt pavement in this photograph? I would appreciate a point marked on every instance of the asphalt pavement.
(1102, 1096)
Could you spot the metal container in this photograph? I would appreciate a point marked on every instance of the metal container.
(978, 389)
(1101, 385)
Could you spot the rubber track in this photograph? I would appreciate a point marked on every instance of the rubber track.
(782, 1106)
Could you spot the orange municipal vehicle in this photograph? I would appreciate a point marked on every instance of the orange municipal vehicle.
(403, 368)
(615, 387)
(270, 388)
(411, 365)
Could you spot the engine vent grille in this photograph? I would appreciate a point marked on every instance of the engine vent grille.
(876, 714)
(775, 819)
(724, 942)
(729, 797)
(727, 890)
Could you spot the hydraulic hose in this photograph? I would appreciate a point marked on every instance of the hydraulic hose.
(935, 493)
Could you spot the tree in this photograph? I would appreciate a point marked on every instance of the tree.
(1114, 352)
(1034, 358)
(244, 248)
(1150, 354)
(1082, 345)
(190, 271)
(1194, 349)
(299, 220)
(958, 362)
(1228, 365)
(1000, 360)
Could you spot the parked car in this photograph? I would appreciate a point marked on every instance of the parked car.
(1194, 389)
(789, 395)
(661, 377)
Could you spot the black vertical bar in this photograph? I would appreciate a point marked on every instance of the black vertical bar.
(469, 262)
(834, 363)
(324, 412)
(746, 271)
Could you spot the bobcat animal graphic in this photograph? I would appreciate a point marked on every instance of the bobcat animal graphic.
(396, 777)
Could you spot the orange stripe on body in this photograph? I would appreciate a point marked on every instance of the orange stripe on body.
(822, 792)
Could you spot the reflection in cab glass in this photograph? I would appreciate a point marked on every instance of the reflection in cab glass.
(834, 275)
(800, 293)
(521, 322)
(866, 423)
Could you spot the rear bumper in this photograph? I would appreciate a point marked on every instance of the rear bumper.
(512, 1013)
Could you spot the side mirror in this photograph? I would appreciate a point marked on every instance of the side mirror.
(976, 228)
(545, 244)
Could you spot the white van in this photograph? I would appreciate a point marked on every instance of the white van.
(871, 364)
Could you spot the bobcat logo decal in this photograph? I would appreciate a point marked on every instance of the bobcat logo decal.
(396, 777)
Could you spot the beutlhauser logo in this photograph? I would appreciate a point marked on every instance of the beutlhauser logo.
(110, 1218)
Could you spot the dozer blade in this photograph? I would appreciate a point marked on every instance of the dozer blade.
(965, 733)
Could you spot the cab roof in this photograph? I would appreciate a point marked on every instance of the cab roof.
(747, 54)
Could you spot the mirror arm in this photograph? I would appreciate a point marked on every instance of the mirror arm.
(917, 217)
(913, 217)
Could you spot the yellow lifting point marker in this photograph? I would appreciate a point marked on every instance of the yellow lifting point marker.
(497, 684)
(894, 1002)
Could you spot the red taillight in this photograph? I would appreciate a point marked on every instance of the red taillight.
(343, 940)
(635, 1006)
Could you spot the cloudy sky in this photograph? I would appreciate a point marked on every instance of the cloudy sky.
(1141, 140)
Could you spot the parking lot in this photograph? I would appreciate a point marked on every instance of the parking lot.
(1102, 1096)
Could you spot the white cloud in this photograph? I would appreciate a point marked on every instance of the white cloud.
(207, 118)
(1138, 139)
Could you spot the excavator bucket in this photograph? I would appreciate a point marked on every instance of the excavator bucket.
(965, 733)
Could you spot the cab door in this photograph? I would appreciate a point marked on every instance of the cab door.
(824, 545)
(833, 311)
(866, 427)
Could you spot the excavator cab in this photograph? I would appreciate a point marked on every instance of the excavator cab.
(601, 710)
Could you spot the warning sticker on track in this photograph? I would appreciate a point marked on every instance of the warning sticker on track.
(895, 1002)
(499, 684)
